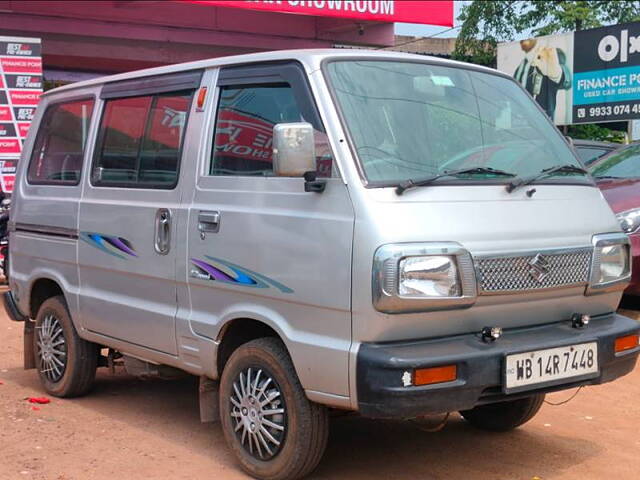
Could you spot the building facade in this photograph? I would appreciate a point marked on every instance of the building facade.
(84, 39)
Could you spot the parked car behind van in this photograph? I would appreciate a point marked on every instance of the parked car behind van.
(618, 176)
(389, 234)
(590, 151)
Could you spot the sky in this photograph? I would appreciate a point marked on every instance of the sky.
(417, 30)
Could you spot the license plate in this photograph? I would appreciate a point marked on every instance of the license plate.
(543, 366)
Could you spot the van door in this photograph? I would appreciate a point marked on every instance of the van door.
(130, 208)
(259, 246)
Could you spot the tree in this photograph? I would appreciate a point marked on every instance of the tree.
(487, 23)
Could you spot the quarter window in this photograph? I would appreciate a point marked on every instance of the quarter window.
(59, 147)
(141, 140)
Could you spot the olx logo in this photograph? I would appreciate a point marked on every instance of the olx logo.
(609, 47)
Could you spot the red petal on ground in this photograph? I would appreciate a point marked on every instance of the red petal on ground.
(40, 400)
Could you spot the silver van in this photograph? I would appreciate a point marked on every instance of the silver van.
(383, 233)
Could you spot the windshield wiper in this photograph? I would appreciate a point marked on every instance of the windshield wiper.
(520, 182)
(407, 184)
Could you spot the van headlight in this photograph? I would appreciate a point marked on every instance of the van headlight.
(429, 276)
(417, 277)
(629, 220)
(611, 263)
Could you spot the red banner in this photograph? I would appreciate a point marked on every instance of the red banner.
(23, 129)
(438, 12)
(22, 97)
(21, 65)
(8, 172)
(10, 146)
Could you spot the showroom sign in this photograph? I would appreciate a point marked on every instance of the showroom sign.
(582, 77)
(20, 90)
(438, 12)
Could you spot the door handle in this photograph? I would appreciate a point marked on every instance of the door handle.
(208, 221)
(162, 243)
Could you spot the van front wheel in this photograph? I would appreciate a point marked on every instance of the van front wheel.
(504, 416)
(273, 429)
(66, 363)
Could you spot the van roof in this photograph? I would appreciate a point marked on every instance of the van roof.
(310, 58)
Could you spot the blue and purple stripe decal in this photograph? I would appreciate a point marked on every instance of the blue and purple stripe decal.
(115, 246)
(220, 270)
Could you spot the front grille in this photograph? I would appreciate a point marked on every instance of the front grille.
(509, 274)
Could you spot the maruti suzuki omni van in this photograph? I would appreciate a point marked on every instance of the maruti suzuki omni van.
(390, 234)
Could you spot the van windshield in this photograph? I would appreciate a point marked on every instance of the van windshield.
(411, 121)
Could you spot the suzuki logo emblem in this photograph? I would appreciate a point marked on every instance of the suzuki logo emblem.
(539, 268)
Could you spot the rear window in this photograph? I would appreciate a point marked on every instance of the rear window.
(624, 163)
(588, 155)
(58, 151)
(140, 140)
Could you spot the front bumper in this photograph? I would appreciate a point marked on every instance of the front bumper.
(381, 367)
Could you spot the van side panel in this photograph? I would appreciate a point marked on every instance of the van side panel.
(43, 243)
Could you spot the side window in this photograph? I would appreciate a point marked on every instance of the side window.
(121, 132)
(160, 153)
(59, 147)
(140, 141)
(243, 136)
(243, 139)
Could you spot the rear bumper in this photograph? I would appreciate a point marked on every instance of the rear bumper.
(380, 367)
(11, 307)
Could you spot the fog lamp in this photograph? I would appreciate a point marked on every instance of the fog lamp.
(491, 334)
(579, 320)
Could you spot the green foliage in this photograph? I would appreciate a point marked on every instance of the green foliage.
(487, 23)
(592, 131)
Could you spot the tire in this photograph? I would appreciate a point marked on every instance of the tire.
(305, 425)
(66, 363)
(504, 416)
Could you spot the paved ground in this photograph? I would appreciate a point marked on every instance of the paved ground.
(131, 429)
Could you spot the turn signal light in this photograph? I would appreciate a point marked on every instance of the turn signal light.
(626, 343)
(428, 376)
(202, 95)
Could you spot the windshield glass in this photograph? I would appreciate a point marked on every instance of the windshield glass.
(414, 120)
(624, 163)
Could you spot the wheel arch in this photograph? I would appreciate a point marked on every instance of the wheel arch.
(40, 291)
(238, 331)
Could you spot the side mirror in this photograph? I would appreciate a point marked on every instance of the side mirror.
(293, 149)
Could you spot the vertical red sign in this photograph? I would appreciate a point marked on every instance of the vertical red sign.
(20, 90)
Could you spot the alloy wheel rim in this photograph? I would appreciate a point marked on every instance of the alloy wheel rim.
(51, 348)
(258, 413)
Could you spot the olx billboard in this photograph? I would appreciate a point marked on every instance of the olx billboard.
(580, 77)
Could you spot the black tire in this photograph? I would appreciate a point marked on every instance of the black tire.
(305, 424)
(75, 377)
(504, 416)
